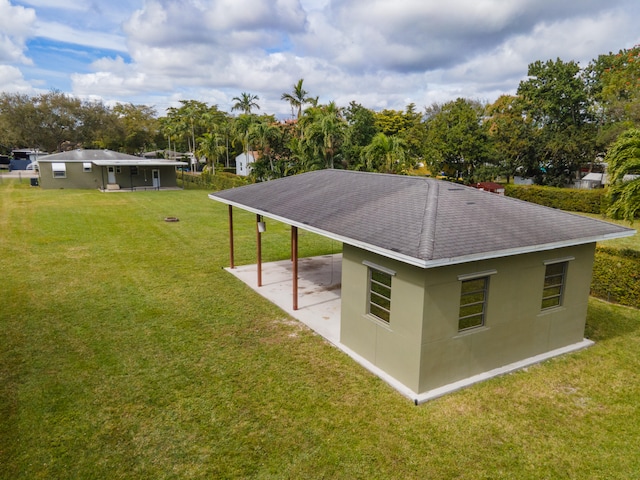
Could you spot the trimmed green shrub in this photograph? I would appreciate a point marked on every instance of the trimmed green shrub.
(570, 199)
(616, 276)
(208, 181)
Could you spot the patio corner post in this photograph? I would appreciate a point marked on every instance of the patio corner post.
(231, 259)
(259, 249)
(294, 251)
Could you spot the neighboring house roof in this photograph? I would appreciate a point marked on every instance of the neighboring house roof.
(604, 178)
(105, 158)
(593, 177)
(417, 220)
(488, 186)
(253, 153)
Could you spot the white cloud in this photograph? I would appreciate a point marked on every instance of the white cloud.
(14, 22)
(11, 80)
(381, 53)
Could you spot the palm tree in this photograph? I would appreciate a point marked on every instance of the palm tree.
(623, 160)
(385, 154)
(323, 129)
(210, 148)
(297, 98)
(263, 135)
(245, 103)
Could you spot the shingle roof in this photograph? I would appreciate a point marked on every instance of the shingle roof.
(104, 158)
(81, 155)
(422, 221)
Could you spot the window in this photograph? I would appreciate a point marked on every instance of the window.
(59, 170)
(554, 280)
(473, 301)
(134, 170)
(86, 166)
(380, 293)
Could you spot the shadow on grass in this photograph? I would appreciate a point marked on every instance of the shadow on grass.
(608, 320)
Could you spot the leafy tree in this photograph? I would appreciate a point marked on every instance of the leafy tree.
(406, 125)
(614, 84)
(511, 136)
(359, 132)
(54, 121)
(139, 126)
(456, 141)
(245, 103)
(623, 160)
(297, 98)
(555, 99)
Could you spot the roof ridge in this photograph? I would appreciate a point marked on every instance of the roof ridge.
(427, 245)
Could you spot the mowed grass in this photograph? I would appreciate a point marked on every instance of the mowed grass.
(126, 351)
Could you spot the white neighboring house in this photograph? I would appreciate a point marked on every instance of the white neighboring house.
(244, 161)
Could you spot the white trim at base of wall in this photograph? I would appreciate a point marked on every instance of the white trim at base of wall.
(512, 367)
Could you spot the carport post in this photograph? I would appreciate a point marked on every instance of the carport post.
(294, 255)
(259, 248)
(231, 260)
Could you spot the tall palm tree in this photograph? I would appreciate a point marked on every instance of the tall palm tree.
(297, 98)
(324, 129)
(210, 148)
(245, 103)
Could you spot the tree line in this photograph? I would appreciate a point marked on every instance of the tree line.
(563, 118)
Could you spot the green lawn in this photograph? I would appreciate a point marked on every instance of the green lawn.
(126, 351)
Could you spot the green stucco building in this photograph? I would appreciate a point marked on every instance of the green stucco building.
(106, 170)
(442, 283)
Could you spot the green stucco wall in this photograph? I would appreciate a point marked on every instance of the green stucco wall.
(421, 346)
(76, 177)
(98, 177)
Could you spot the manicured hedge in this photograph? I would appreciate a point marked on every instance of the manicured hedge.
(616, 276)
(206, 181)
(570, 199)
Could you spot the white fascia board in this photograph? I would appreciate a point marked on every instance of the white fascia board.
(441, 262)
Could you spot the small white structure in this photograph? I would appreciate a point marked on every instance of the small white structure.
(244, 161)
(592, 180)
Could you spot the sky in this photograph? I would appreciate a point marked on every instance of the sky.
(379, 53)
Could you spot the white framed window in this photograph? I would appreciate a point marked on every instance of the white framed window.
(86, 167)
(59, 170)
(379, 292)
(555, 277)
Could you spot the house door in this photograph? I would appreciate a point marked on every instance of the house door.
(111, 175)
(155, 175)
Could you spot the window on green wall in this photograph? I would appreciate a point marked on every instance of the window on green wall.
(380, 294)
(473, 302)
(554, 282)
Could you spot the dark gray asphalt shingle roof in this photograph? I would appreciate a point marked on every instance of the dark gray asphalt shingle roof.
(419, 220)
(106, 158)
(89, 155)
